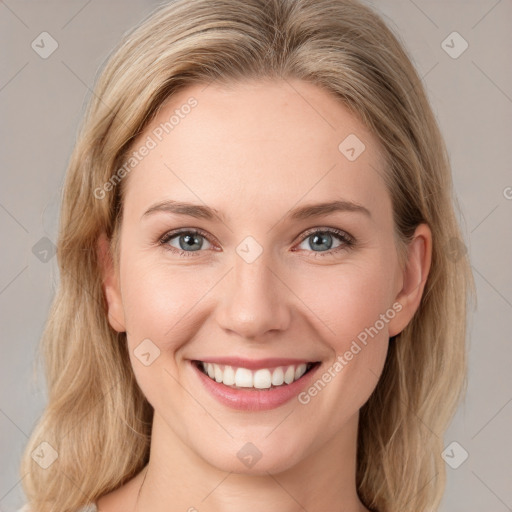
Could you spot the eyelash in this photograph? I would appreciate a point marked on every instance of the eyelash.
(348, 240)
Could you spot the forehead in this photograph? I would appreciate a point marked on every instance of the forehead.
(240, 146)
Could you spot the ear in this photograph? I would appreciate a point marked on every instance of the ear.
(110, 284)
(413, 278)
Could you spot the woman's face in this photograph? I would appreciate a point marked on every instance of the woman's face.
(254, 269)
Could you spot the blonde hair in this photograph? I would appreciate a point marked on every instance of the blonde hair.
(97, 418)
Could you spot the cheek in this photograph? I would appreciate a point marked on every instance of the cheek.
(353, 304)
(161, 302)
(350, 298)
(158, 302)
(343, 302)
(157, 299)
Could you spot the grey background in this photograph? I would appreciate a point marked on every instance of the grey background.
(41, 103)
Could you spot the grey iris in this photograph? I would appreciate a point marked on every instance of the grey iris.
(324, 239)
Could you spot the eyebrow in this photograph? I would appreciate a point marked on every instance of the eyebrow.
(300, 213)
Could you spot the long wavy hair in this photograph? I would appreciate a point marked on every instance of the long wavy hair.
(97, 419)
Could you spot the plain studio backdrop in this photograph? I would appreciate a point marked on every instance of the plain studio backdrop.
(459, 48)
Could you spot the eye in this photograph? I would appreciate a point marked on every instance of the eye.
(188, 241)
(323, 239)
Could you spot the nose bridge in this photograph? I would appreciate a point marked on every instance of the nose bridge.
(255, 298)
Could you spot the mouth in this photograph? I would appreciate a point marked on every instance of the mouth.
(262, 379)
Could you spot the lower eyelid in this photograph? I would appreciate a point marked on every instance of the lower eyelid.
(345, 243)
(345, 239)
(165, 239)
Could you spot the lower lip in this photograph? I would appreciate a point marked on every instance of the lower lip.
(254, 399)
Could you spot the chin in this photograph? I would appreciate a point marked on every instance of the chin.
(253, 457)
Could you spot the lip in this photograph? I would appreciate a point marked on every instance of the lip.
(253, 399)
(255, 364)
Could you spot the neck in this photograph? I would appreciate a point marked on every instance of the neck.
(178, 479)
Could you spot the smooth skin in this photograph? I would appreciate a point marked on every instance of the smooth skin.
(254, 151)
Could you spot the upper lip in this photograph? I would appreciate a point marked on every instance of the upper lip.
(255, 364)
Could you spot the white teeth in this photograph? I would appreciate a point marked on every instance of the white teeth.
(263, 378)
(229, 376)
(300, 371)
(217, 372)
(277, 377)
(243, 378)
(289, 375)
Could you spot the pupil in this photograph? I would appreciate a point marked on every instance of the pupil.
(189, 241)
(324, 240)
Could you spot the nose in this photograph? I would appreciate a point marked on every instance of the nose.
(254, 299)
